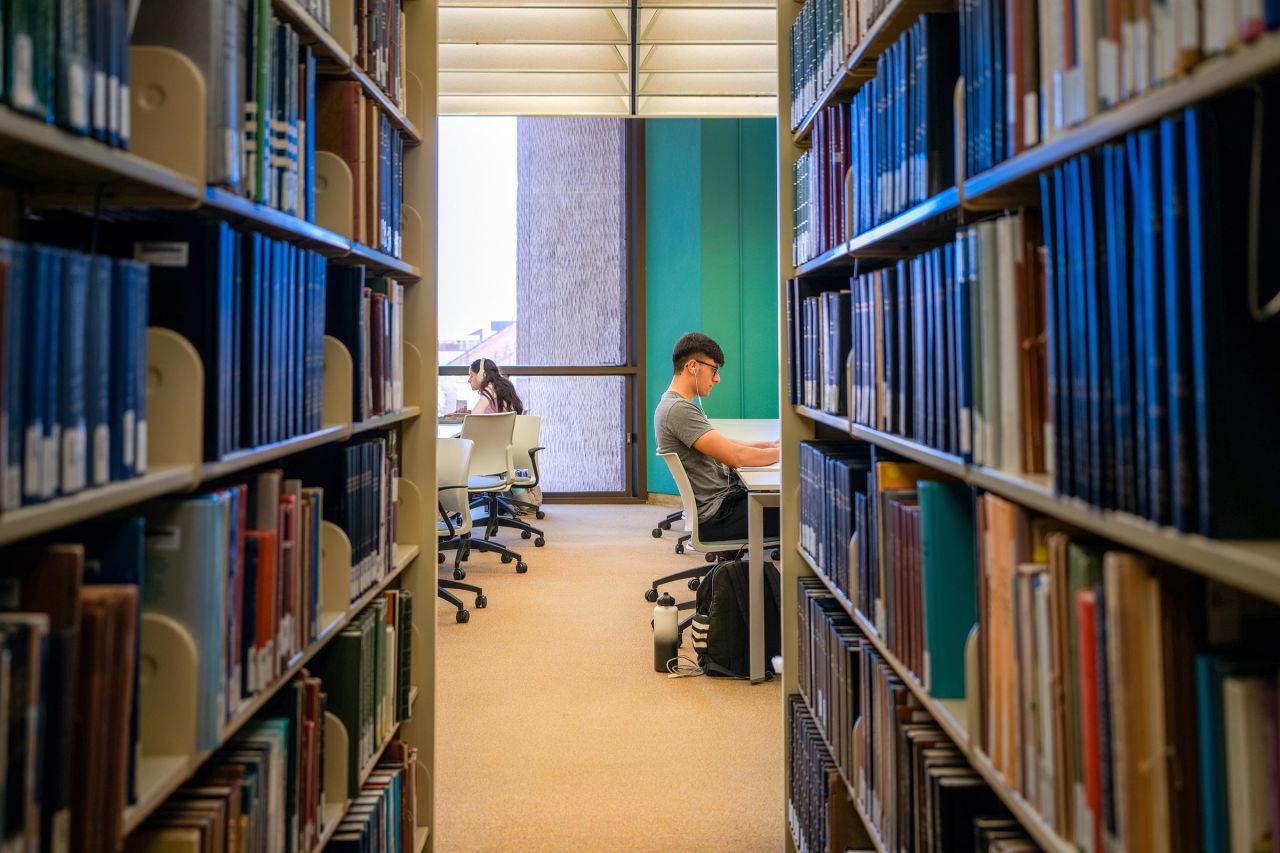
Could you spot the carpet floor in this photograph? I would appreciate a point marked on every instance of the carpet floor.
(555, 733)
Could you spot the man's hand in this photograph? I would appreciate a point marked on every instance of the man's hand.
(735, 454)
(766, 444)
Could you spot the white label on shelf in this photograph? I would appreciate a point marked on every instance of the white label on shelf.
(24, 93)
(31, 459)
(140, 452)
(125, 127)
(113, 103)
(163, 253)
(99, 100)
(101, 454)
(79, 106)
(129, 434)
(50, 472)
(165, 537)
(74, 471)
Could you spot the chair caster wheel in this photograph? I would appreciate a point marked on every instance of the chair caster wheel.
(459, 574)
(439, 556)
(711, 558)
(665, 525)
(522, 567)
(463, 616)
(540, 515)
(694, 583)
(506, 559)
(651, 595)
(524, 534)
(679, 547)
(539, 542)
(657, 533)
(481, 602)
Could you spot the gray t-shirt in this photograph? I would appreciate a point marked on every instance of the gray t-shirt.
(678, 423)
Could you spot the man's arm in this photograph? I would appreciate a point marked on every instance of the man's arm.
(733, 453)
(764, 444)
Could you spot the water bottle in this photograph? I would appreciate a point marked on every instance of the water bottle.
(666, 631)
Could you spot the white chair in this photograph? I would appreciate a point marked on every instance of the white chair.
(524, 457)
(689, 505)
(453, 462)
(491, 474)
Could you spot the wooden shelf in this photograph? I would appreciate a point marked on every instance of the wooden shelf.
(896, 19)
(381, 262)
(1014, 181)
(950, 717)
(64, 168)
(158, 777)
(39, 518)
(840, 422)
(275, 223)
(398, 118)
(873, 831)
(377, 754)
(837, 257)
(1250, 565)
(333, 815)
(929, 223)
(322, 43)
(242, 459)
(408, 413)
(401, 557)
(944, 462)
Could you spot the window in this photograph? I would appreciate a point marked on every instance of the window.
(535, 275)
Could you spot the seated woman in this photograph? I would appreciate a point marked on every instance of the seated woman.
(497, 394)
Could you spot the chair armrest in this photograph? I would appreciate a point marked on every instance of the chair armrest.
(447, 488)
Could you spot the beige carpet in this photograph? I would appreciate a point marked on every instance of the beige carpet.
(555, 733)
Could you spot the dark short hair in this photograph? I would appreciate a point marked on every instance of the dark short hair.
(695, 343)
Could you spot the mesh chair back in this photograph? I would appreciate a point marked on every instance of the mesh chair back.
(492, 434)
(527, 432)
(453, 463)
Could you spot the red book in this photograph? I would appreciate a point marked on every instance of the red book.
(1090, 746)
(265, 594)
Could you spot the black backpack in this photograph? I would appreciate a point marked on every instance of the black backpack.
(721, 623)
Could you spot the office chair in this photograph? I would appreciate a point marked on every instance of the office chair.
(666, 523)
(524, 457)
(489, 475)
(453, 458)
(732, 549)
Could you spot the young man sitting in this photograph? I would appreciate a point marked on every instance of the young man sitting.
(709, 457)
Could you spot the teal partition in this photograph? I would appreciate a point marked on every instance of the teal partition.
(711, 260)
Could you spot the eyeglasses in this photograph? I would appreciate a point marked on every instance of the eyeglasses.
(715, 369)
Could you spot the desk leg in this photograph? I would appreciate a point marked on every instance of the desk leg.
(755, 581)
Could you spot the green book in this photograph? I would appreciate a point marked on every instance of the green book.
(340, 675)
(950, 583)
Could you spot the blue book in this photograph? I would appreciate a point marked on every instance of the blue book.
(51, 446)
(251, 340)
(74, 468)
(1064, 415)
(73, 77)
(1137, 277)
(140, 275)
(1149, 249)
(1077, 324)
(97, 378)
(249, 615)
(1118, 306)
(309, 142)
(1101, 398)
(15, 301)
(1271, 13)
(186, 572)
(124, 371)
(1048, 222)
(949, 583)
(236, 349)
(114, 554)
(1177, 316)
(41, 349)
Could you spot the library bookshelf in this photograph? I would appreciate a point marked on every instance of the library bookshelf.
(47, 167)
(1251, 566)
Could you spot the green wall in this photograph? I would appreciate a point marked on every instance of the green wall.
(711, 262)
